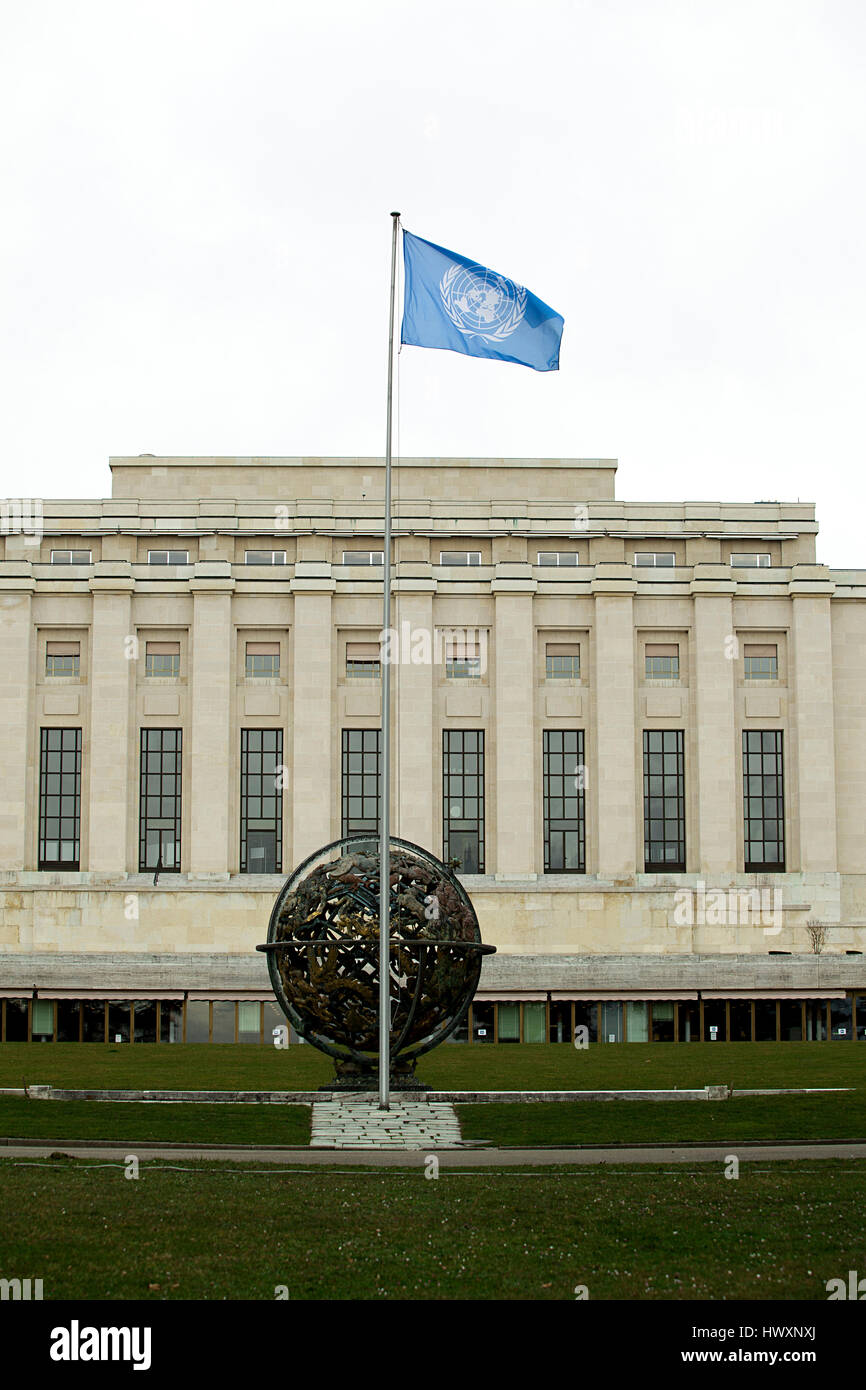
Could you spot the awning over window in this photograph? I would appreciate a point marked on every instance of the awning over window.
(244, 995)
(514, 996)
(774, 993)
(628, 995)
(111, 994)
(16, 993)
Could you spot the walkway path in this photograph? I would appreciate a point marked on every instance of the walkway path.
(179, 1154)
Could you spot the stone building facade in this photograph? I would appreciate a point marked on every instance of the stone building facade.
(641, 727)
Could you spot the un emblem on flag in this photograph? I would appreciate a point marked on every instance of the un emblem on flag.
(481, 303)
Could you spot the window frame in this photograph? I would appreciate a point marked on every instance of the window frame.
(558, 559)
(152, 560)
(675, 738)
(360, 663)
(763, 559)
(55, 556)
(248, 798)
(369, 743)
(471, 559)
(655, 563)
(154, 657)
(373, 563)
(273, 560)
(61, 865)
(551, 773)
(145, 796)
(772, 674)
(552, 657)
(454, 745)
(774, 799)
(251, 658)
(74, 657)
(651, 656)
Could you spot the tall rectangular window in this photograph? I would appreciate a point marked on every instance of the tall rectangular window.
(62, 658)
(664, 800)
(463, 798)
(564, 802)
(159, 800)
(59, 798)
(763, 801)
(360, 781)
(261, 801)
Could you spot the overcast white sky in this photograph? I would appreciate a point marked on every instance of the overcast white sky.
(194, 248)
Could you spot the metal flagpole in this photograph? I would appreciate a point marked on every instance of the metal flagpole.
(385, 785)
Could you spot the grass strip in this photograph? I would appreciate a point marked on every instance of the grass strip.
(666, 1122)
(540, 1066)
(89, 1233)
(142, 1122)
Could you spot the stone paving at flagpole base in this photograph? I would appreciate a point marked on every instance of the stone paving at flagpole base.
(348, 1122)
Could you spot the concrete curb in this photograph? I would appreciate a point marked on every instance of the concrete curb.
(41, 1092)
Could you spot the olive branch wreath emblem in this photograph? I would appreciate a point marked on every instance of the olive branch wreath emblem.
(516, 294)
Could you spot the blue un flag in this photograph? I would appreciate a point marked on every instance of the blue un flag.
(454, 303)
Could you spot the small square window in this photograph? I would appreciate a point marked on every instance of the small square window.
(562, 661)
(662, 661)
(62, 659)
(262, 659)
(162, 659)
(363, 660)
(462, 659)
(760, 662)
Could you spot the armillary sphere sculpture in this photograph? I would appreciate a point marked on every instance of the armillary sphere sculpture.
(323, 956)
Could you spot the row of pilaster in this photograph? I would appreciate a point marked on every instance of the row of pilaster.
(612, 745)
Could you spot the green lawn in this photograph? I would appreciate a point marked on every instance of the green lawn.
(214, 1233)
(453, 1066)
(139, 1123)
(660, 1122)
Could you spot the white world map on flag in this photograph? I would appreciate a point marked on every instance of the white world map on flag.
(481, 303)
